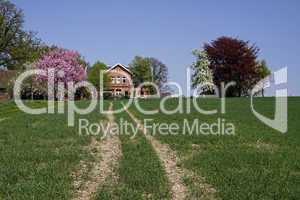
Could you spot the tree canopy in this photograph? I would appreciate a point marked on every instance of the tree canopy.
(233, 60)
(262, 71)
(149, 69)
(62, 60)
(141, 70)
(202, 74)
(159, 71)
(17, 46)
(94, 75)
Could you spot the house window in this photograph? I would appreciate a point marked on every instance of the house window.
(124, 79)
(118, 80)
(113, 80)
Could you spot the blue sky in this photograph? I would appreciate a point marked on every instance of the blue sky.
(115, 31)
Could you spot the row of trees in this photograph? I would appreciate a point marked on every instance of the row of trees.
(221, 61)
(21, 50)
(225, 60)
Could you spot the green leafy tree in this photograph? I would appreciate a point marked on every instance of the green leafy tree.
(262, 71)
(159, 72)
(17, 46)
(94, 75)
(141, 69)
(202, 74)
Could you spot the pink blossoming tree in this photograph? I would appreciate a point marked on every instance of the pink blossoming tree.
(67, 65)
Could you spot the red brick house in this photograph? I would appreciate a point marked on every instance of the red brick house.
(121, 81)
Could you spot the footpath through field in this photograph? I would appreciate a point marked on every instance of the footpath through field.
(174, 173)
(169, 159)
(107, 153)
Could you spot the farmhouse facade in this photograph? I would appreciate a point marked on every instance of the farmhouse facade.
(122, 83)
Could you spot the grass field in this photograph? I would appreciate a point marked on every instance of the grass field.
(256, 163)
(39, 153)
(141, 175)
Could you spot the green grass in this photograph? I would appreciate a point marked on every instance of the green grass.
(141, 175)
(38, 154)
(256, 163)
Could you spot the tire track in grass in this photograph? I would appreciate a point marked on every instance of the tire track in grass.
(3, 119)
(170, 160)
(141, 174)
(107, 153)
(176, 174)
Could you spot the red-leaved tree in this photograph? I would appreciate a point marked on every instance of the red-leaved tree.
(233, 60)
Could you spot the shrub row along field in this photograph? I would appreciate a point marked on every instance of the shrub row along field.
(255, 163)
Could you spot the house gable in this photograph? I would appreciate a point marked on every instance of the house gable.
(119, 66)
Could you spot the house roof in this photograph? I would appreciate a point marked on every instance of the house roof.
(120, 65)
(6, 76)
